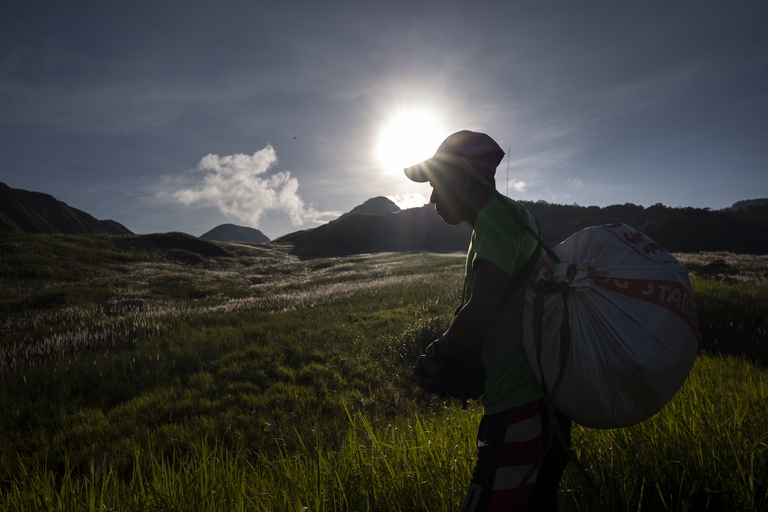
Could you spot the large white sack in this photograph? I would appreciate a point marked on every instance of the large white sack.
(633, 327)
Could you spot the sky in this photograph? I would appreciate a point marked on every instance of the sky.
(169, 115)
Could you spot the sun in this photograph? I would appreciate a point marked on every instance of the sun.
(407, 138)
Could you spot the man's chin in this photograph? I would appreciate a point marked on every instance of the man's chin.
(449, 220)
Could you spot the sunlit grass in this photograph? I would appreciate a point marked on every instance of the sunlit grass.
(142, 377)
(114, 303)
(708, 449)
(417, 464)
(744, 268)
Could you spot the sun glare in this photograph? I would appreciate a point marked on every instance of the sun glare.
(408, 138)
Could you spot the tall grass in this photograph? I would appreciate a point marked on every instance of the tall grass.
(707, 450)
(419, 464)
(252, 380)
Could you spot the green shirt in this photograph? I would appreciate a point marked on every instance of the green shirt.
(500, 239)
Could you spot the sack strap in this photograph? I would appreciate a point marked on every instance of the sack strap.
(543, 289)
(524, 273)
(515, 281)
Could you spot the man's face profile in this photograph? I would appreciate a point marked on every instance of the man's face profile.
(448, 195)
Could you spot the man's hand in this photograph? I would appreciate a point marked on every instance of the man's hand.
(424, 370)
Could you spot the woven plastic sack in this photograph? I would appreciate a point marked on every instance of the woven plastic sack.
(631, 331)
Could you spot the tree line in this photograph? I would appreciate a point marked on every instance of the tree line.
(676, 229)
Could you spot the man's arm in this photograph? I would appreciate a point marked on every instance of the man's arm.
(475, 319)
(471, 324)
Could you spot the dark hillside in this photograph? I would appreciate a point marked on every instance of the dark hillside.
(744, 231)
(421, 229)
(749, 203)
(233, 233)
(180, 247)
(757, 212)
(22, 211)
(415, 229)
(375, 206)
(354, 234)
(677, 229)
(65, 257)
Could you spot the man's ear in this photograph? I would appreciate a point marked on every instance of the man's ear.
(470, 185)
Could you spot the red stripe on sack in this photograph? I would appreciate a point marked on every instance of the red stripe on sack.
(502, 501)
(520, 454)
(671, 295)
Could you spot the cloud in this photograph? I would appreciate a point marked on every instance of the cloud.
(405, 201)
(514, 184)
(520, 186)
(237, 186)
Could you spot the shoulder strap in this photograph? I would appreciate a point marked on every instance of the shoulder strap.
(514, 283)
(524, 273)
(464, 164)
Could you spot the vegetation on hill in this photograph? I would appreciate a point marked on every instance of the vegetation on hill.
(374, 206)
(676, 229)
(742, 231)
(749, 203)
(233, 233)
(415, 229)
(22, 211)
(379, 225)
(166, 372)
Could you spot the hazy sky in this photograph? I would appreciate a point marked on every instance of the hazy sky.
(170, 115)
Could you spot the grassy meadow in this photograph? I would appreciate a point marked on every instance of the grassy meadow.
(161, 372)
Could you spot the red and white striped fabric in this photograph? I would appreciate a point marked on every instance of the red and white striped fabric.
(521, 450)
(633, 326)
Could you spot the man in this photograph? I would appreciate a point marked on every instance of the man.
(515, 430)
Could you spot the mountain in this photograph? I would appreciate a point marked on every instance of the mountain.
(375, 206)
(233, 233)
(22, 211)
(744, 230)
(749, 203)
(379, 225)
(686, 229)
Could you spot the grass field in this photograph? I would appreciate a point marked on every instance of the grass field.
(161, 372)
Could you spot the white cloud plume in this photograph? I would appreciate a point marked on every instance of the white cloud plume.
(519, 185)
(236, 186)
(414, 200)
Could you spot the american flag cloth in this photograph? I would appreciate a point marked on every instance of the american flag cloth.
(509, 444)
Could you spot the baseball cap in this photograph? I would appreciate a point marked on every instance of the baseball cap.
(477, 149)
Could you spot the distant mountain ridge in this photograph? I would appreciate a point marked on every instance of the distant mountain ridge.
(379, 225)
(22, 211)
(744, 230)
(374, 206)
(233, 233)
(688, 229)
(749, 203)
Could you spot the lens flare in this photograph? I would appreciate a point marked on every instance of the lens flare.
(408, 138)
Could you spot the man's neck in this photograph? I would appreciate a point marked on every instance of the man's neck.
(480, 200)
